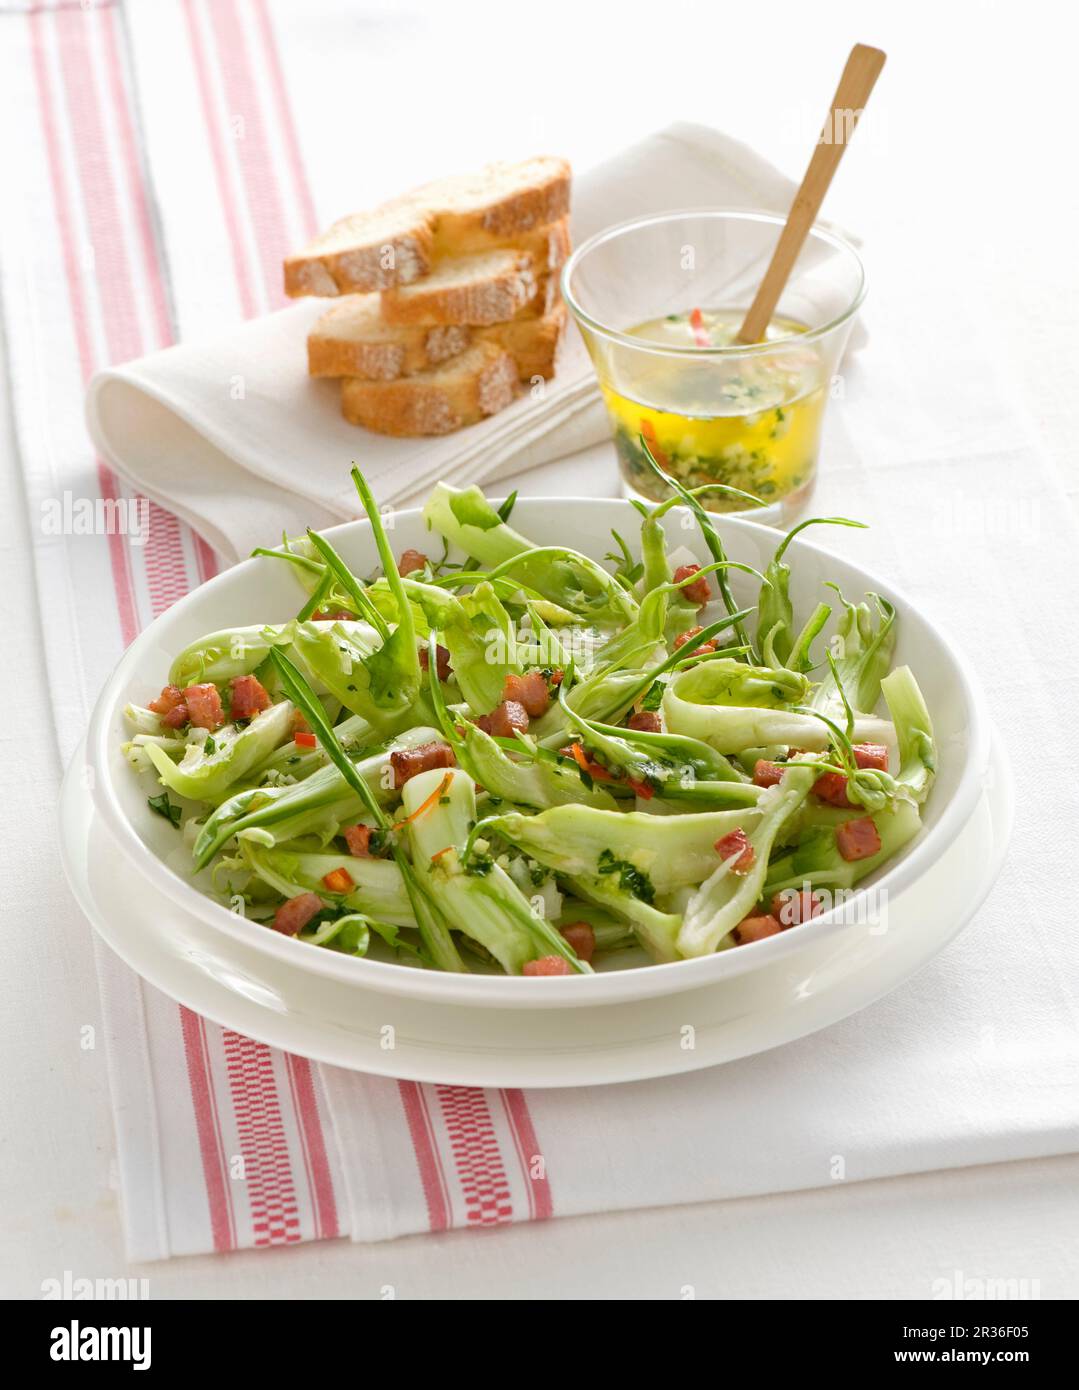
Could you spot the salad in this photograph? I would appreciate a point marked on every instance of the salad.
(496, 755)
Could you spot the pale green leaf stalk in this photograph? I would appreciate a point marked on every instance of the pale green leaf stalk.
(487, 905)
(204, 776)
(726, 897)
(914, 732)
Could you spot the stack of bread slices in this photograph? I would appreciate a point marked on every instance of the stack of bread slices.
(446, 299)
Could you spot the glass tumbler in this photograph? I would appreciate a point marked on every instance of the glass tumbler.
(659, 301)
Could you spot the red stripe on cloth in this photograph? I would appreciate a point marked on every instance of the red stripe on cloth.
(284, 116)
(40, 29)
(477, 1156)
(428, 1161)
(214, 1170)
(134, 176)
(205, 559)
(533, 1159)
(163, 552)
(242, 269)
(275, 1216)
(264, 205)
(316, 1162)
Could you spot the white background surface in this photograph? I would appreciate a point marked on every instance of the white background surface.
(963, 168)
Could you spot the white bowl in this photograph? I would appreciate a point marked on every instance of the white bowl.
(263, 590)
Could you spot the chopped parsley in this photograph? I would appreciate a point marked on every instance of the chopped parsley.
(630, 878)
(164, 807)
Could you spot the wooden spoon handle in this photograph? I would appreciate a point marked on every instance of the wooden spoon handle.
(861, 72)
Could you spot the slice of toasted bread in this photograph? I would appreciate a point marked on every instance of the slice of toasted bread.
(532, 343)
(365, 252)
(546, 298)
(476, 212)
(485, 288)
(396, 243)
(351, 339)
(548, 246)
(479, 382)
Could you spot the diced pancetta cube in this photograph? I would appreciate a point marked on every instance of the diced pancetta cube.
(873, 755)
(547, 965)
(697, 591)
(645, 721)
(358, 839)
(766, 774)
(737, 843)
(409, 762)
(756, 928)
(411, 561)
(249, 697)
(582, 938)
(503, 719)
(292, 916)
(170, 697)
(858, 839)
(204, 706)
(176, 717)
(529, 690)
(832, 787)
(685, 637)
(443, 670)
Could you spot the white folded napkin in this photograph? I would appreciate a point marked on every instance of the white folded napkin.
(232, 435)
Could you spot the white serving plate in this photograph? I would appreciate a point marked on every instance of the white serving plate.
(331, 1020)
(264, 590)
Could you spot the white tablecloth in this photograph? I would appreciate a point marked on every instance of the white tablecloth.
(60, 1213)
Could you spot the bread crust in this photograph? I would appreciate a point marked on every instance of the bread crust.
(532, 343)
(479, 383)
(399, 241)
(350, 339)
(487, 288)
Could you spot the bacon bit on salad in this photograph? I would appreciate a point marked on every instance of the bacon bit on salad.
(358, 839)
(645, 721)
(529, 690)
(698, 592)
(249, 697)
(700, 333)
(204, 706)
(292, 916)
(410, 762)
(793, 906)
(832, 787)
(338, 881)
(737, 843)
(873, 755)
(331, 615)
(756, 928)
(688, 636)
(547, 965)
(304, 738)
(176, 717)
(411, 561)
(588, 765)
(503, 719)
(858, 839)
(582, 938)
(649, 432)
(170, 697)
(766, 774)
(443, 670)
